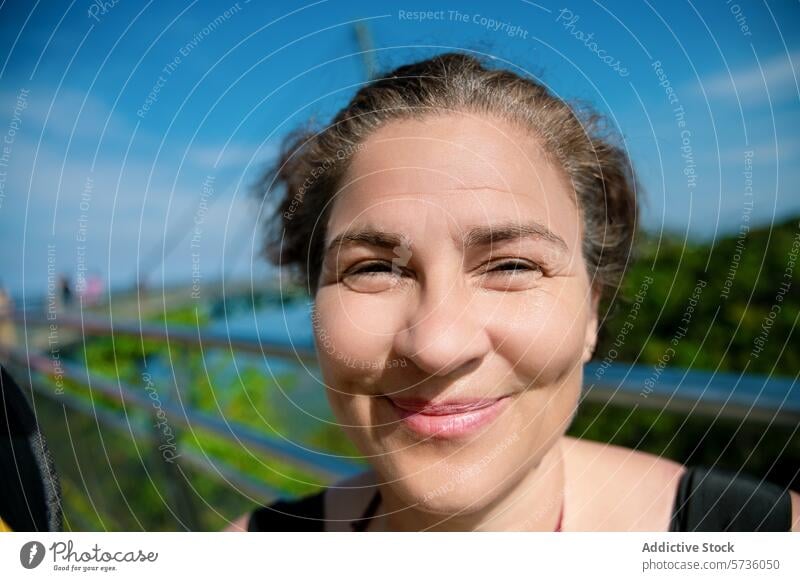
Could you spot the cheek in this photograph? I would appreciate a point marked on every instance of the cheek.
(540, 335)
(546, 412)
(356, 418)
(353, 336)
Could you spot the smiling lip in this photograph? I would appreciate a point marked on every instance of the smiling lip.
(450, 419)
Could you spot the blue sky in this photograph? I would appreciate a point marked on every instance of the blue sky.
(94, 181)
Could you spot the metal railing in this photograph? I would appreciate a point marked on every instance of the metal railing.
(719, 394)
(30, 363)
(736, 396)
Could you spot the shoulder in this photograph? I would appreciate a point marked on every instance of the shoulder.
(612, 488)
(239, 525)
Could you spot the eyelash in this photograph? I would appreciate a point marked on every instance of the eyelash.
(517, 264)
(362, 271)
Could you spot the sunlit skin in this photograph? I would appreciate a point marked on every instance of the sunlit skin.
(494, 299)
(453, 269)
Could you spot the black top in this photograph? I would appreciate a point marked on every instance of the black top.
(708, 500)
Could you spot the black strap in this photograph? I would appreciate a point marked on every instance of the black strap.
(715, 500)
(361, 524)
(305, 514)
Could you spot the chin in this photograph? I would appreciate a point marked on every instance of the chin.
(449, 496)
(459, 474)
(448, 478)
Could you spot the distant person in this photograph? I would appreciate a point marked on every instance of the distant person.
(457, 226)
(65, 290)
(93, 291)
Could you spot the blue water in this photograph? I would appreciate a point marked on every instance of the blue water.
(286, 324)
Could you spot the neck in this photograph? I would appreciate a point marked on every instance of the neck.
(533, 503)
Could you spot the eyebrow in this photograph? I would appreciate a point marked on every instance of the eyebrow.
(494, 233)
(483, 235)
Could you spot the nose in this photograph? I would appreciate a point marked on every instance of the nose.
(443, 333)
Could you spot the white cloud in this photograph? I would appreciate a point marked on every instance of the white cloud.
(68, 115)
(748, 83)
(239, 156)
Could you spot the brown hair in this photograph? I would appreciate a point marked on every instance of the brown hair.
(312, 163)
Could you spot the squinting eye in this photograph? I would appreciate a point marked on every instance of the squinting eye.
(374, 277)
(372, 269)
(515, 267)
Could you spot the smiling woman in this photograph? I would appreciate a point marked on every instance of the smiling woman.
(470, 233)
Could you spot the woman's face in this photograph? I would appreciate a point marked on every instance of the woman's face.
(454, 309)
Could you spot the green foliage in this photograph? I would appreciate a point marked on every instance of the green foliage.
(743, 279)
(731, 313)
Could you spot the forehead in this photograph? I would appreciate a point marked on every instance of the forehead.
(477, 167)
